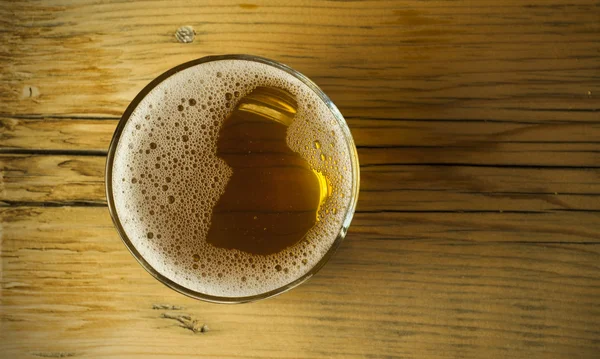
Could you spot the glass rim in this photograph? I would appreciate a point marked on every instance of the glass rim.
(350, 209)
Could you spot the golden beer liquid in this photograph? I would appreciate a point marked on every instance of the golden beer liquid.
(273, 196)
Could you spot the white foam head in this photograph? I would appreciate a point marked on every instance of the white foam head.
(166, 178)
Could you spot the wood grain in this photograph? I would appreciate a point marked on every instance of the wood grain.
(477, 232)
(56, 134)
(379, 142)
(65, 268)
(397, 203)
(68, 179)
(503, 60)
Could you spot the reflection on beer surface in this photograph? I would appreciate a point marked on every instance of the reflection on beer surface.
(273, 196)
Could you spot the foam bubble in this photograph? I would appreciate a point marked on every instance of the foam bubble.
(167, 178)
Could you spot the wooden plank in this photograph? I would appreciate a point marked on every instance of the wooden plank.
(56, 134)
(532, 155)
(95, 134)
(379, 142)
(70, 288)
(501, 204)
(469, 228)
(68, 179)
(501, 60)
(45, 178)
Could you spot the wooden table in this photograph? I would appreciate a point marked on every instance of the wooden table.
(477, 233)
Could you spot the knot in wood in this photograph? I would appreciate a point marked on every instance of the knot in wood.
(185, 34)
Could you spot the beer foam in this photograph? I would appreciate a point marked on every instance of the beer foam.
(166, 178)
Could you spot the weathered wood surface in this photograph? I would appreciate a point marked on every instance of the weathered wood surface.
(67, 180)
(379, 142)
(477, 232)
(70, 287)
(502, 60)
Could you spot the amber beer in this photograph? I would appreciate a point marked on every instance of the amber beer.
(232, 178)
(273, 196)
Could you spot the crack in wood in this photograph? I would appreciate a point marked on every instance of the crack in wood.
(6, 203)
(55, 152)
(54, 354)
(482, 165)
(166, 306)
(187, 322)
(40, 116)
